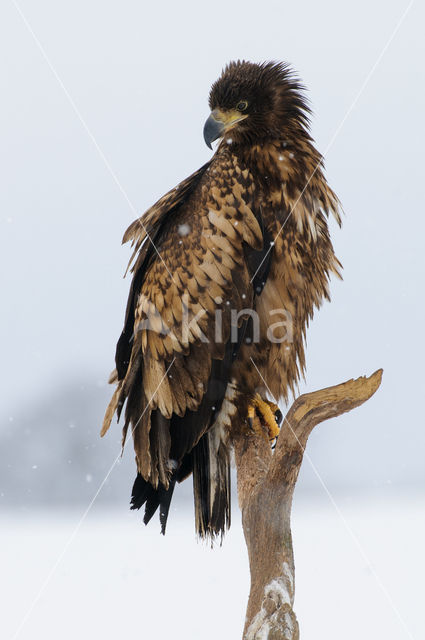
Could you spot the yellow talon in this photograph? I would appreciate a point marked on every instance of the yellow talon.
(268, 413)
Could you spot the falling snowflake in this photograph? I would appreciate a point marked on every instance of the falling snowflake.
(183, 229)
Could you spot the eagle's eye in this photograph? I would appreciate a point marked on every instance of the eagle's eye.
(242, 105)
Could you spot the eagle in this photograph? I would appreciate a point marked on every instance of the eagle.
(227, 270)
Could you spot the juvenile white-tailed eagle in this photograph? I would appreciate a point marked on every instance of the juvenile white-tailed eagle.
(227, 270)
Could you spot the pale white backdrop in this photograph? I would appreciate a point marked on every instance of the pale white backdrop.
(102, 108)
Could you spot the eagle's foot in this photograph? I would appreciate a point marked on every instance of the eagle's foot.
(269, 415)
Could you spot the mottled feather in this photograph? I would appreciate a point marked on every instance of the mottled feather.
(246, 235)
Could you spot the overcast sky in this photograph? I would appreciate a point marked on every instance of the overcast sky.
(139, 74)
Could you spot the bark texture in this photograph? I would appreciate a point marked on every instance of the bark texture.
(266, 482)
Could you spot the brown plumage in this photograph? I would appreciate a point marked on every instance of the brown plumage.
(241, 244)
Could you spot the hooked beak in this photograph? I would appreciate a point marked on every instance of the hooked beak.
(213, 128)
(219, 122)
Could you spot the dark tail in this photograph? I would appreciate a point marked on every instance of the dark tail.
(210, 465)
(211, 486)
(144, 493)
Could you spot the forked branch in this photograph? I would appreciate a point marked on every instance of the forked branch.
(266, 483)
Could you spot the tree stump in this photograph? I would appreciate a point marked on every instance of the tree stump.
(266, 482)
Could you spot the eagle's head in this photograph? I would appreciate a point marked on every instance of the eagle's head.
(253, 103)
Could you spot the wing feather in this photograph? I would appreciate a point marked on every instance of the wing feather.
(198, 269)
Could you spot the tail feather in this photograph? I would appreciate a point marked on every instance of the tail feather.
(211, 485)
(144, 493)
(209, 462)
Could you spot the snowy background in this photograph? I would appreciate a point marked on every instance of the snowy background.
(139, 77)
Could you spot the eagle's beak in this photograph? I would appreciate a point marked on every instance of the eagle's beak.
(219, 122)
(213, 128)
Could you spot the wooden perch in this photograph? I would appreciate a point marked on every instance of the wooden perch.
(266, 483)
